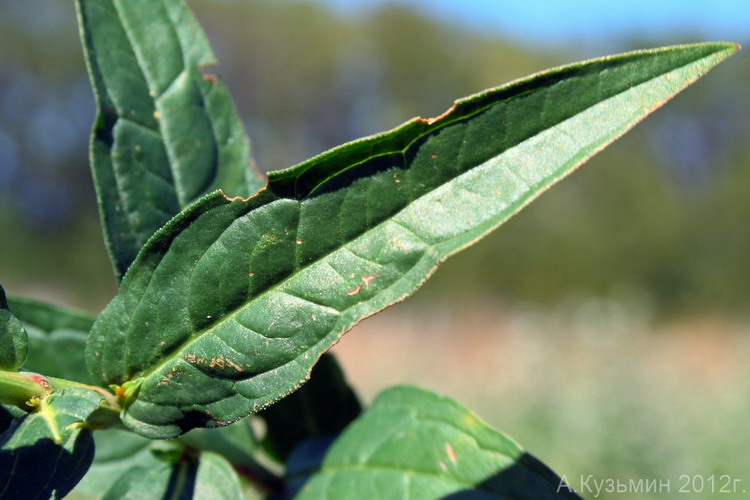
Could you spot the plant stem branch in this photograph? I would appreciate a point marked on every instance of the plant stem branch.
(25, 389)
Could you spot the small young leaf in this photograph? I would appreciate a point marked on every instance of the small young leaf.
(415, 444)
(165, 132)
(228, 306)
(14, 342)
(323, 407)
(44, 454)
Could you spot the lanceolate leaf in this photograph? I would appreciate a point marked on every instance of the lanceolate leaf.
(228, 307)
(413, 444)
(165, 132)
(14, 344)
(57, 338)
(44, 454)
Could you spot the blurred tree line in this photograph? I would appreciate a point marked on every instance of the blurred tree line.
(662, 212)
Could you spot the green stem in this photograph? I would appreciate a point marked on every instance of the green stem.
(25, 389)
(21, 388)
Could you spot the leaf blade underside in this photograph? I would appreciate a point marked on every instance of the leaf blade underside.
(165, 133)
(229, 306)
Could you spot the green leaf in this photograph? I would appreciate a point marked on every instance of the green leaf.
(57, 338)
(323, 407)
(414, 444)
(47, 317)
(235, 442)
(61, 354)
(44, 454)
(14, 342)
(209, 477)
(216, 479)
(228, 306)
(117, 452)
(165, 132)
(8, 414)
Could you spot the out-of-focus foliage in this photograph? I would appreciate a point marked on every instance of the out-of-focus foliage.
(663, 211)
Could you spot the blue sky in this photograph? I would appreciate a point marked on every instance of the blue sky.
(588, 21)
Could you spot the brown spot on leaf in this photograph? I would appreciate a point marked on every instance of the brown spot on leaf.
(235, 365)
(235, 198)
(430, 121)
(355, 291)
(368, 279)
(217, 362)
(450, 452)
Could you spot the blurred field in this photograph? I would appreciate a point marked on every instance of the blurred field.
(592, 387)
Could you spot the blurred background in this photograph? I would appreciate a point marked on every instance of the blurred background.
(605, 327)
